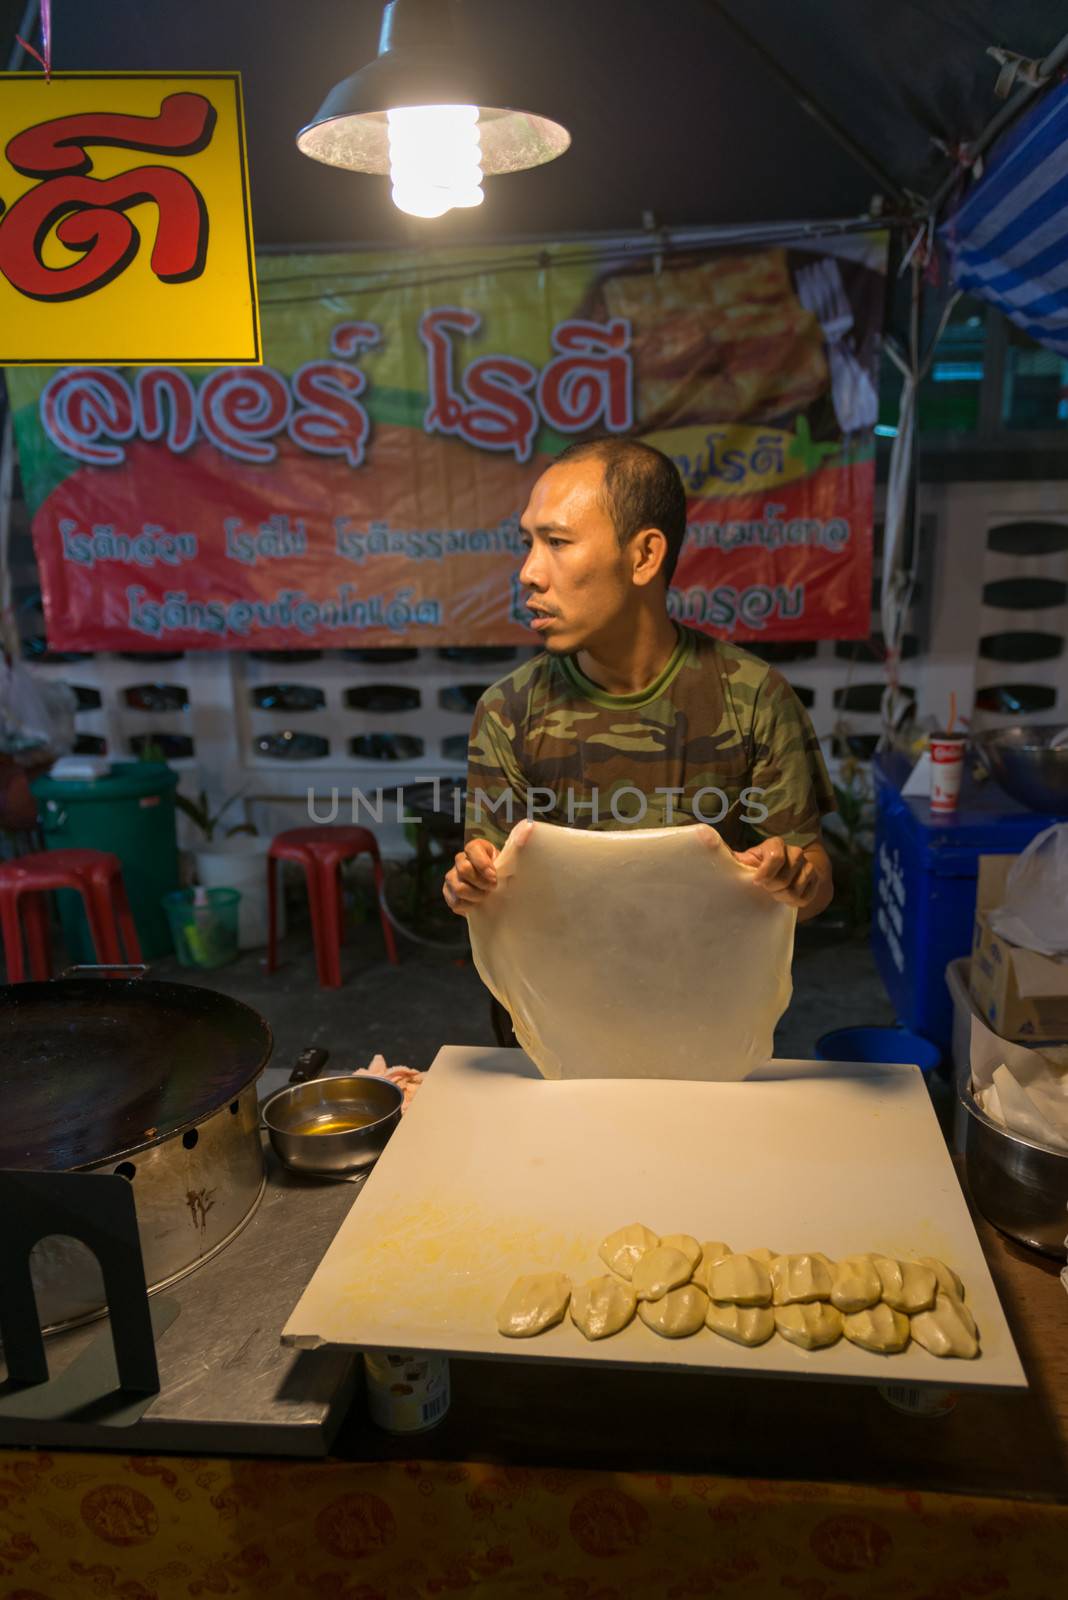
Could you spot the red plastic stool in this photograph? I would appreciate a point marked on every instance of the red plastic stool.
(320, 851)
(95, 875)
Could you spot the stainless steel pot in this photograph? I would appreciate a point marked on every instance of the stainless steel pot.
(1019, 1186)
(299, 1121)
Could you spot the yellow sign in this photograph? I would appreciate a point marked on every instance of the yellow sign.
(125, 228)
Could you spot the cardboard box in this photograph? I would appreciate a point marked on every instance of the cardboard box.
(1021, 994)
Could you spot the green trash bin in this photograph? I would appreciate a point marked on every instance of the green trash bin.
(131, 814)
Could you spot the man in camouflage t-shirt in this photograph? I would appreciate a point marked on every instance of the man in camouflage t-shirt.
(626, 720)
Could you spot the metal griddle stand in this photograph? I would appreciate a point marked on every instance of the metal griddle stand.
(197, 1369)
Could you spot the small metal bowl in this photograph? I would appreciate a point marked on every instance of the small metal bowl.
(1019, 1186)
(1021, 761)
(298, 1119)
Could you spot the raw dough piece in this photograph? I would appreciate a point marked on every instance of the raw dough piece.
(579, 929)
(798, 1279)
(907, 1285)
(678, 1314)
(744, 1324)
(948, 1330)
(811, 1325)
(763, 1255)
(602, 1307)
(622, 1250)
(534, 1302)
(946, 1278)
(880, 1329)
(687, 1244)
(712, 1250)
(659, 1271)
(739, 1280)
(856, 1284)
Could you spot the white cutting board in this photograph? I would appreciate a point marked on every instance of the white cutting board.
(496, 1171)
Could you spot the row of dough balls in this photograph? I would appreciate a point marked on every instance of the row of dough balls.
(678, 1286)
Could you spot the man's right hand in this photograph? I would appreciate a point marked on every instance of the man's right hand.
(471, 876)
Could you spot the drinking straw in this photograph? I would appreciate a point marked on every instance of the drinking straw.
(952, 710)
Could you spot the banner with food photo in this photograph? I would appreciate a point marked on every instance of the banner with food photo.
(364, 485)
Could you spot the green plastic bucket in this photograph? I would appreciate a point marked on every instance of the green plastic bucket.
(204, 934)
(130, 813)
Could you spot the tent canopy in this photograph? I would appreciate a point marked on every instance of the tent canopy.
(673, 111)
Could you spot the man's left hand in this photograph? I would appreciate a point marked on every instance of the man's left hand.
(795, 875)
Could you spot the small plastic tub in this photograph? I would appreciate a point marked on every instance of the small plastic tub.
(204, 925)
(878, 1044)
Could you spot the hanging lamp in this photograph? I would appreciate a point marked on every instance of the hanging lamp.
(422, 114)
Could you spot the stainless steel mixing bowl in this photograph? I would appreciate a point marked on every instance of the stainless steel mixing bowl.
(1019, 1186)
(298, 1119)
(1021, 761)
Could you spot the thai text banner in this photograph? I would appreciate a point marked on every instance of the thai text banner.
(364, 485)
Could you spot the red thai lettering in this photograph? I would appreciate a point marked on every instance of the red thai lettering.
(242, 408)
(332, 423)
(152, 386)
(590, 381)
(492, 409)
(88, 215)
(82, 405)
(350, 338)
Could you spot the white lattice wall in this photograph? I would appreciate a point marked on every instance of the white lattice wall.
(953, 612)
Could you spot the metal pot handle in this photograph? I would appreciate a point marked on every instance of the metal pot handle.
(96, 969)
(309, 1064)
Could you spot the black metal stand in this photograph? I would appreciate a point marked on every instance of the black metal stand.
(98, 1210)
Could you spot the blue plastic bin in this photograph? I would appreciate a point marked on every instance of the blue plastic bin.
(878, 1044)
(926, 869)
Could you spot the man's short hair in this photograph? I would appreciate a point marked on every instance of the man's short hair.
(642, 489)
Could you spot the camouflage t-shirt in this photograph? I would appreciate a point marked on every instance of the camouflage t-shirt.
(719, 737)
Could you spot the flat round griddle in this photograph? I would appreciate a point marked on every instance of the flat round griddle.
(95, 1069)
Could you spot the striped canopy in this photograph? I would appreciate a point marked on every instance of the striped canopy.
(1008, 240)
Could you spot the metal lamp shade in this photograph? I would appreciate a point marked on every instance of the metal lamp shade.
(420, 64)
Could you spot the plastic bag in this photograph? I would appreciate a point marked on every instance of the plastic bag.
(34, 714)
(1034, 913)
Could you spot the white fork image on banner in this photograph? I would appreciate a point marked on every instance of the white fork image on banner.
(821, 291)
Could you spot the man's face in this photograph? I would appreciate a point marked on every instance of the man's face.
(578, 582)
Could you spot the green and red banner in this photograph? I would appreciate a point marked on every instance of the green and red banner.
(363, 487)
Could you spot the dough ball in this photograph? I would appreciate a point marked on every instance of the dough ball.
(676, 1314)
(659, 1271)
(622, 1250)
(687, 1244)
(810, 1325)
(945, 1277)
(763, 1255)
(856, 1285)
(948, 1330)
(744, 1324)
(602, 1307)
(739, 1280)
(796, 1280)
(879, 1328)
(534, 1302)
(908, 1286)
(712, 1250)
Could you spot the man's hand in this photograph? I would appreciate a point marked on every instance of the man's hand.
(474, 873)
(796, 875)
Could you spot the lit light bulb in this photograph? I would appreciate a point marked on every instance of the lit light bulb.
(435, 159)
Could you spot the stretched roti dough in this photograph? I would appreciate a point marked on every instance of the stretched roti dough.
(602, 1307)
(622, 1250)
(712, 1250)
(688, 1246)
(641, 953)
(945, 1277)
(739, 1280)
(534, 1302)
(750, 1325)
(948, 1330)
(676, 1315)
